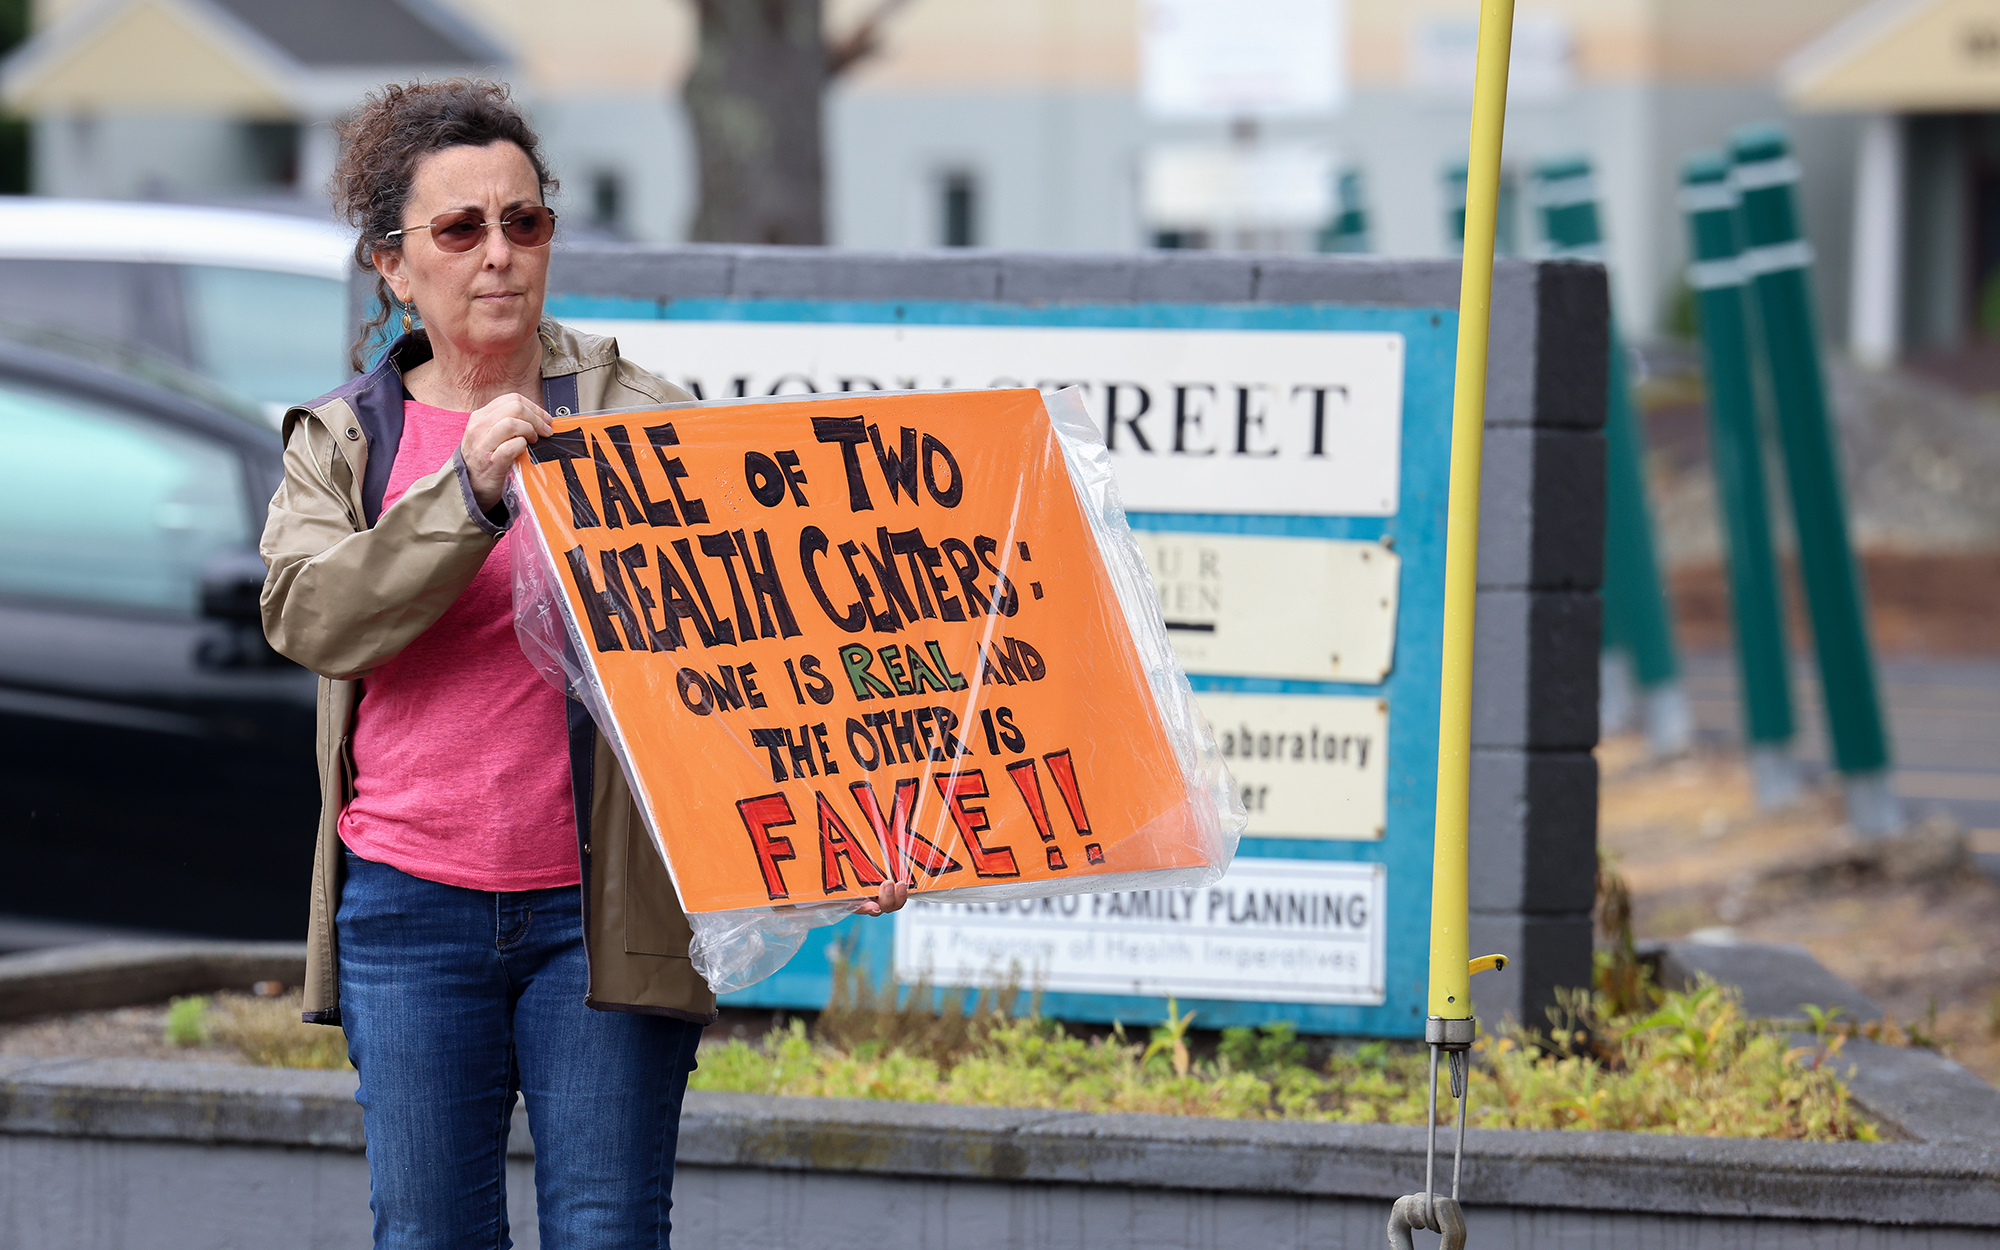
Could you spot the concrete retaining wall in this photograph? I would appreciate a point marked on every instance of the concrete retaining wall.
(113, 974)
(106, 1155)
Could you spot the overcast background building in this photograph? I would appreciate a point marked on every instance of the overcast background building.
(1070, 123)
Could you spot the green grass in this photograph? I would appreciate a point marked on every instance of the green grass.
(1685, 1063)
(1624, 1055)
(187, 1021)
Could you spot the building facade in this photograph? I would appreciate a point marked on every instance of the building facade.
(1923, 79)
(1033, 125)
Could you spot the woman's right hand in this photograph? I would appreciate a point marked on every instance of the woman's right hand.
(496, 434)
(891, 898)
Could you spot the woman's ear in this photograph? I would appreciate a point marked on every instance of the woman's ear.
(389, 263)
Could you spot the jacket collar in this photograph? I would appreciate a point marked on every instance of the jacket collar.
(566, 351)
(376, 397)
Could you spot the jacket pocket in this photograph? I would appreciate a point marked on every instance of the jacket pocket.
(654, 922)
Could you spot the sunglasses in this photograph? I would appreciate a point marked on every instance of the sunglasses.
(462, 231)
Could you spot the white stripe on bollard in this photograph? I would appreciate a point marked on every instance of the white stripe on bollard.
(1707, 197)
(1707, 275)
(1772, 257)
(1773, 173)
(1565, 192)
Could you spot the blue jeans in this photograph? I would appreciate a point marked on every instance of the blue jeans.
(453, 1000)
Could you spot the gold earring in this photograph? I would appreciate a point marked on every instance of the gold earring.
(406, 318)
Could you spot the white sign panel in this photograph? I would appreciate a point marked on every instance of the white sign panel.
(1224, 59)
(1306, 765)
(1269, 421)
(1313, 609)
(1272, 930)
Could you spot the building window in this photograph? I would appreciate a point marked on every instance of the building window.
(271, 153)
(607, 200)
(1505, 238)
(959, 205)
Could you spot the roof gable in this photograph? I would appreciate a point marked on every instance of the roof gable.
(150, 54)
(385, 33)
(248, 58)
(1903, 56)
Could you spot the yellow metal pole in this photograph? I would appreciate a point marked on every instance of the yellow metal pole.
(1451, 977)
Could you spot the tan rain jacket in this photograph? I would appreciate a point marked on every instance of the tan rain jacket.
(350, 585)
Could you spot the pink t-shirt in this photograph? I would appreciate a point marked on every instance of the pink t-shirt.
(461, 757)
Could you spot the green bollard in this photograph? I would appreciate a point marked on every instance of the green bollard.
(1638, 621)
(1777, 257)
(1763, 660)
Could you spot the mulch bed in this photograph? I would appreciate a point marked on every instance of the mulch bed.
(1938, 603)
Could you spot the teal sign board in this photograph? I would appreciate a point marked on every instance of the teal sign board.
(1366, 935)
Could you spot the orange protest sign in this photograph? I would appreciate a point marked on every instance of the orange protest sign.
(862, 636)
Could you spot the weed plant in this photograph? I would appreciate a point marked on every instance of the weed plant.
(266, 1031)
(1623, 1055)
(1683, 1062)
(1679, 1062)
(187, 1021)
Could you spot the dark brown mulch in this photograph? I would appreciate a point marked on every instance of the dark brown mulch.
(1937, 603)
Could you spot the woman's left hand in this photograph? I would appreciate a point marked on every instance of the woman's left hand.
(894, 894)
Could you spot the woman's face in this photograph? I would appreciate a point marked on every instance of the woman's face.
(488, 300)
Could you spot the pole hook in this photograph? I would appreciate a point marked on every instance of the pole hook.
(1443, 1216)
(1430, 1209)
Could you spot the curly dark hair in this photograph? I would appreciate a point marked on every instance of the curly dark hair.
(381, 144)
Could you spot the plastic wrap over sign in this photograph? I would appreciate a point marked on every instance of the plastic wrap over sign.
(841, 640)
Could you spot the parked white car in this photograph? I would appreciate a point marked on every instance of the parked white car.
(255, 302)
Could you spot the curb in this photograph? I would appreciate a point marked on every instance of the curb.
(101, 975)
(1912, 1184)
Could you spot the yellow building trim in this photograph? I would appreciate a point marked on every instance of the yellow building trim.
(149, 55)
(1903, 56)
(955, 45)
(1743, 41)
(607, 48)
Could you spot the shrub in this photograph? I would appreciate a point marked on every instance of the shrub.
(1692, 1066)
(1688, 1063)
(187, 1021)
(269, 1032)
(266, 1031)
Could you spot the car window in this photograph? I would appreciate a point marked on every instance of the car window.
(139, 306)
(276, 339)
(106, 506)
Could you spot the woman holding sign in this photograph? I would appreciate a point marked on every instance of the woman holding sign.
(488, 914)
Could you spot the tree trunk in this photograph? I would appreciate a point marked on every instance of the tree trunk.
(754, 97)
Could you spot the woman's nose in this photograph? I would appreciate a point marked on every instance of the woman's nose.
(499, 252)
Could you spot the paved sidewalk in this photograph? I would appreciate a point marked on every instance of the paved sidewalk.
(1944, 726)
